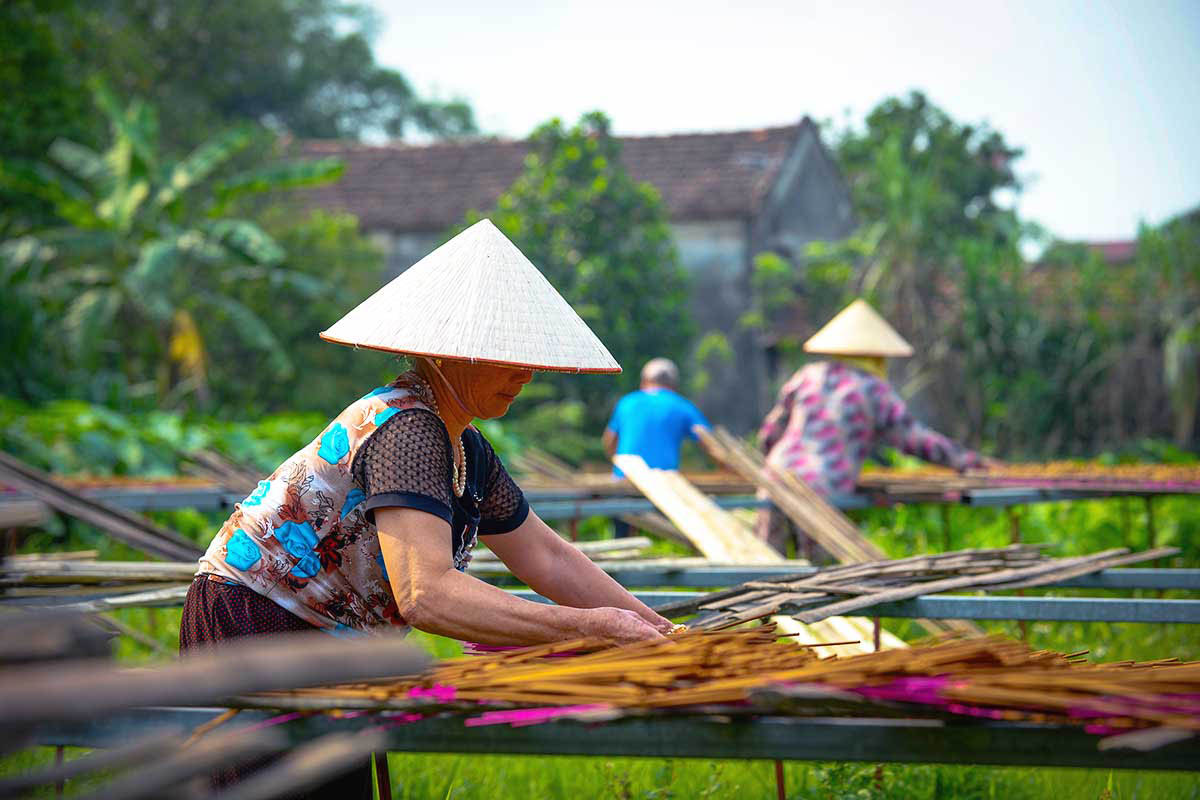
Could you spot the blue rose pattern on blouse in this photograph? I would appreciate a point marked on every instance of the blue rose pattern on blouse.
(353, 498)
(241, 552)
(385, 415)
(335, 444)
(298, 538)
(376, 392)
(307, 567)
(256, 497)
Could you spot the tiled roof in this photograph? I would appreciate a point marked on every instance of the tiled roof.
(1114, 252)
(400, 187)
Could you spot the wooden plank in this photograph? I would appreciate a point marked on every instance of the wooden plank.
(810, 512)
(82, 689)
(712, 530)
(539, 463)
(24, 514)
(720, 536)
(805, 507)
(29, 572)
(133, 529)
(602, 547)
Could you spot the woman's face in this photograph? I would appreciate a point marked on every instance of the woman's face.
(486, 390)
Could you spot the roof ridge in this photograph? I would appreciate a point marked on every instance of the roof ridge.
(401, 186)
(466, 141)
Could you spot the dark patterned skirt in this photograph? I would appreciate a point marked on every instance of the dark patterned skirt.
(217, 612)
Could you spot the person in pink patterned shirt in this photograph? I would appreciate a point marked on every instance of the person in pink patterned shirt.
(831, 415)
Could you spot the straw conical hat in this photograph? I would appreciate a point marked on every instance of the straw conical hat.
(475, 298)
(858, 330)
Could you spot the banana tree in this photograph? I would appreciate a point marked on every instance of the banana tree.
(139, 265)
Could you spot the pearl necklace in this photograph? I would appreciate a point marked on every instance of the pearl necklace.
(459, 482)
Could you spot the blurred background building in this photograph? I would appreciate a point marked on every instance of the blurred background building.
(728, 196)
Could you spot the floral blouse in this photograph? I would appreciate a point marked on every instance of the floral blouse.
(306, 536)
(830, 417)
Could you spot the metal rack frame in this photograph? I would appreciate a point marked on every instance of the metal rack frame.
(927, 741)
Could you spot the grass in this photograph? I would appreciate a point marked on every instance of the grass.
(417, 776)
(499, 778)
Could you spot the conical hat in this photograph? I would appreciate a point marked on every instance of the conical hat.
(858, 330)
(475, 298)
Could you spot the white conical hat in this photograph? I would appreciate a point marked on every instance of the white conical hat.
(475, 298)
(858, 330)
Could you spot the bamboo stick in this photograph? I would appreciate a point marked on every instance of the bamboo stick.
(83, 689)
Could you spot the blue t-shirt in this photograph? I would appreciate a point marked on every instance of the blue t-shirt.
(652, 424)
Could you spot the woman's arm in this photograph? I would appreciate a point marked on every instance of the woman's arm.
(897, 427)
(433, 596)
(554, 568)
(777, 418)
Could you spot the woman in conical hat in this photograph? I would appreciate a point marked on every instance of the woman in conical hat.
(370, 527)
(832, 414)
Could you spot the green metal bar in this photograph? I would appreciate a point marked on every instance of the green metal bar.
(795, 739)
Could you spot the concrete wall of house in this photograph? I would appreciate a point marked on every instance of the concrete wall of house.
(810, 203)
(402, 250)
(714, 255)
(814, 206)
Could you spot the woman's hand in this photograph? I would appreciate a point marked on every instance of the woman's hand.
(662, 624)
(620, 626)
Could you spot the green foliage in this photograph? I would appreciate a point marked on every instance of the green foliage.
(931, 179)
(331, 266)
(40, 96)
(1068, 356)
(300, 66)
(1031, 374)
(925, 183)
(711, 353)
(73, 437)
(136, 274)
(773, 287)
(1168, 259)
(602, 239)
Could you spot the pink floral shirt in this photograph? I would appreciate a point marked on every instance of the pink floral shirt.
(830, 417)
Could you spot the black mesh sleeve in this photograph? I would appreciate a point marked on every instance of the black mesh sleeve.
(503, 507)
(406, 464)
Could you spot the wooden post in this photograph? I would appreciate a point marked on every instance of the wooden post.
(780, 784)
(383, 779)
(573, 527)
(1127, 522)
(947, 544)
(152, 622)
(1151, 528)
(59, 786)
(876, 634)
(1014, 523)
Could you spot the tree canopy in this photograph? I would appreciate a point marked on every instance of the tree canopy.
(138, 268)
(304, 67)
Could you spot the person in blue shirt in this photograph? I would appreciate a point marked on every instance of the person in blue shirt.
(653, 421)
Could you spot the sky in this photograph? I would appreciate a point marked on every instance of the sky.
(1104, 97)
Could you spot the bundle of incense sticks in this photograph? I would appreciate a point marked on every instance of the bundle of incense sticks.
(753, 671)
(1054, 474)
